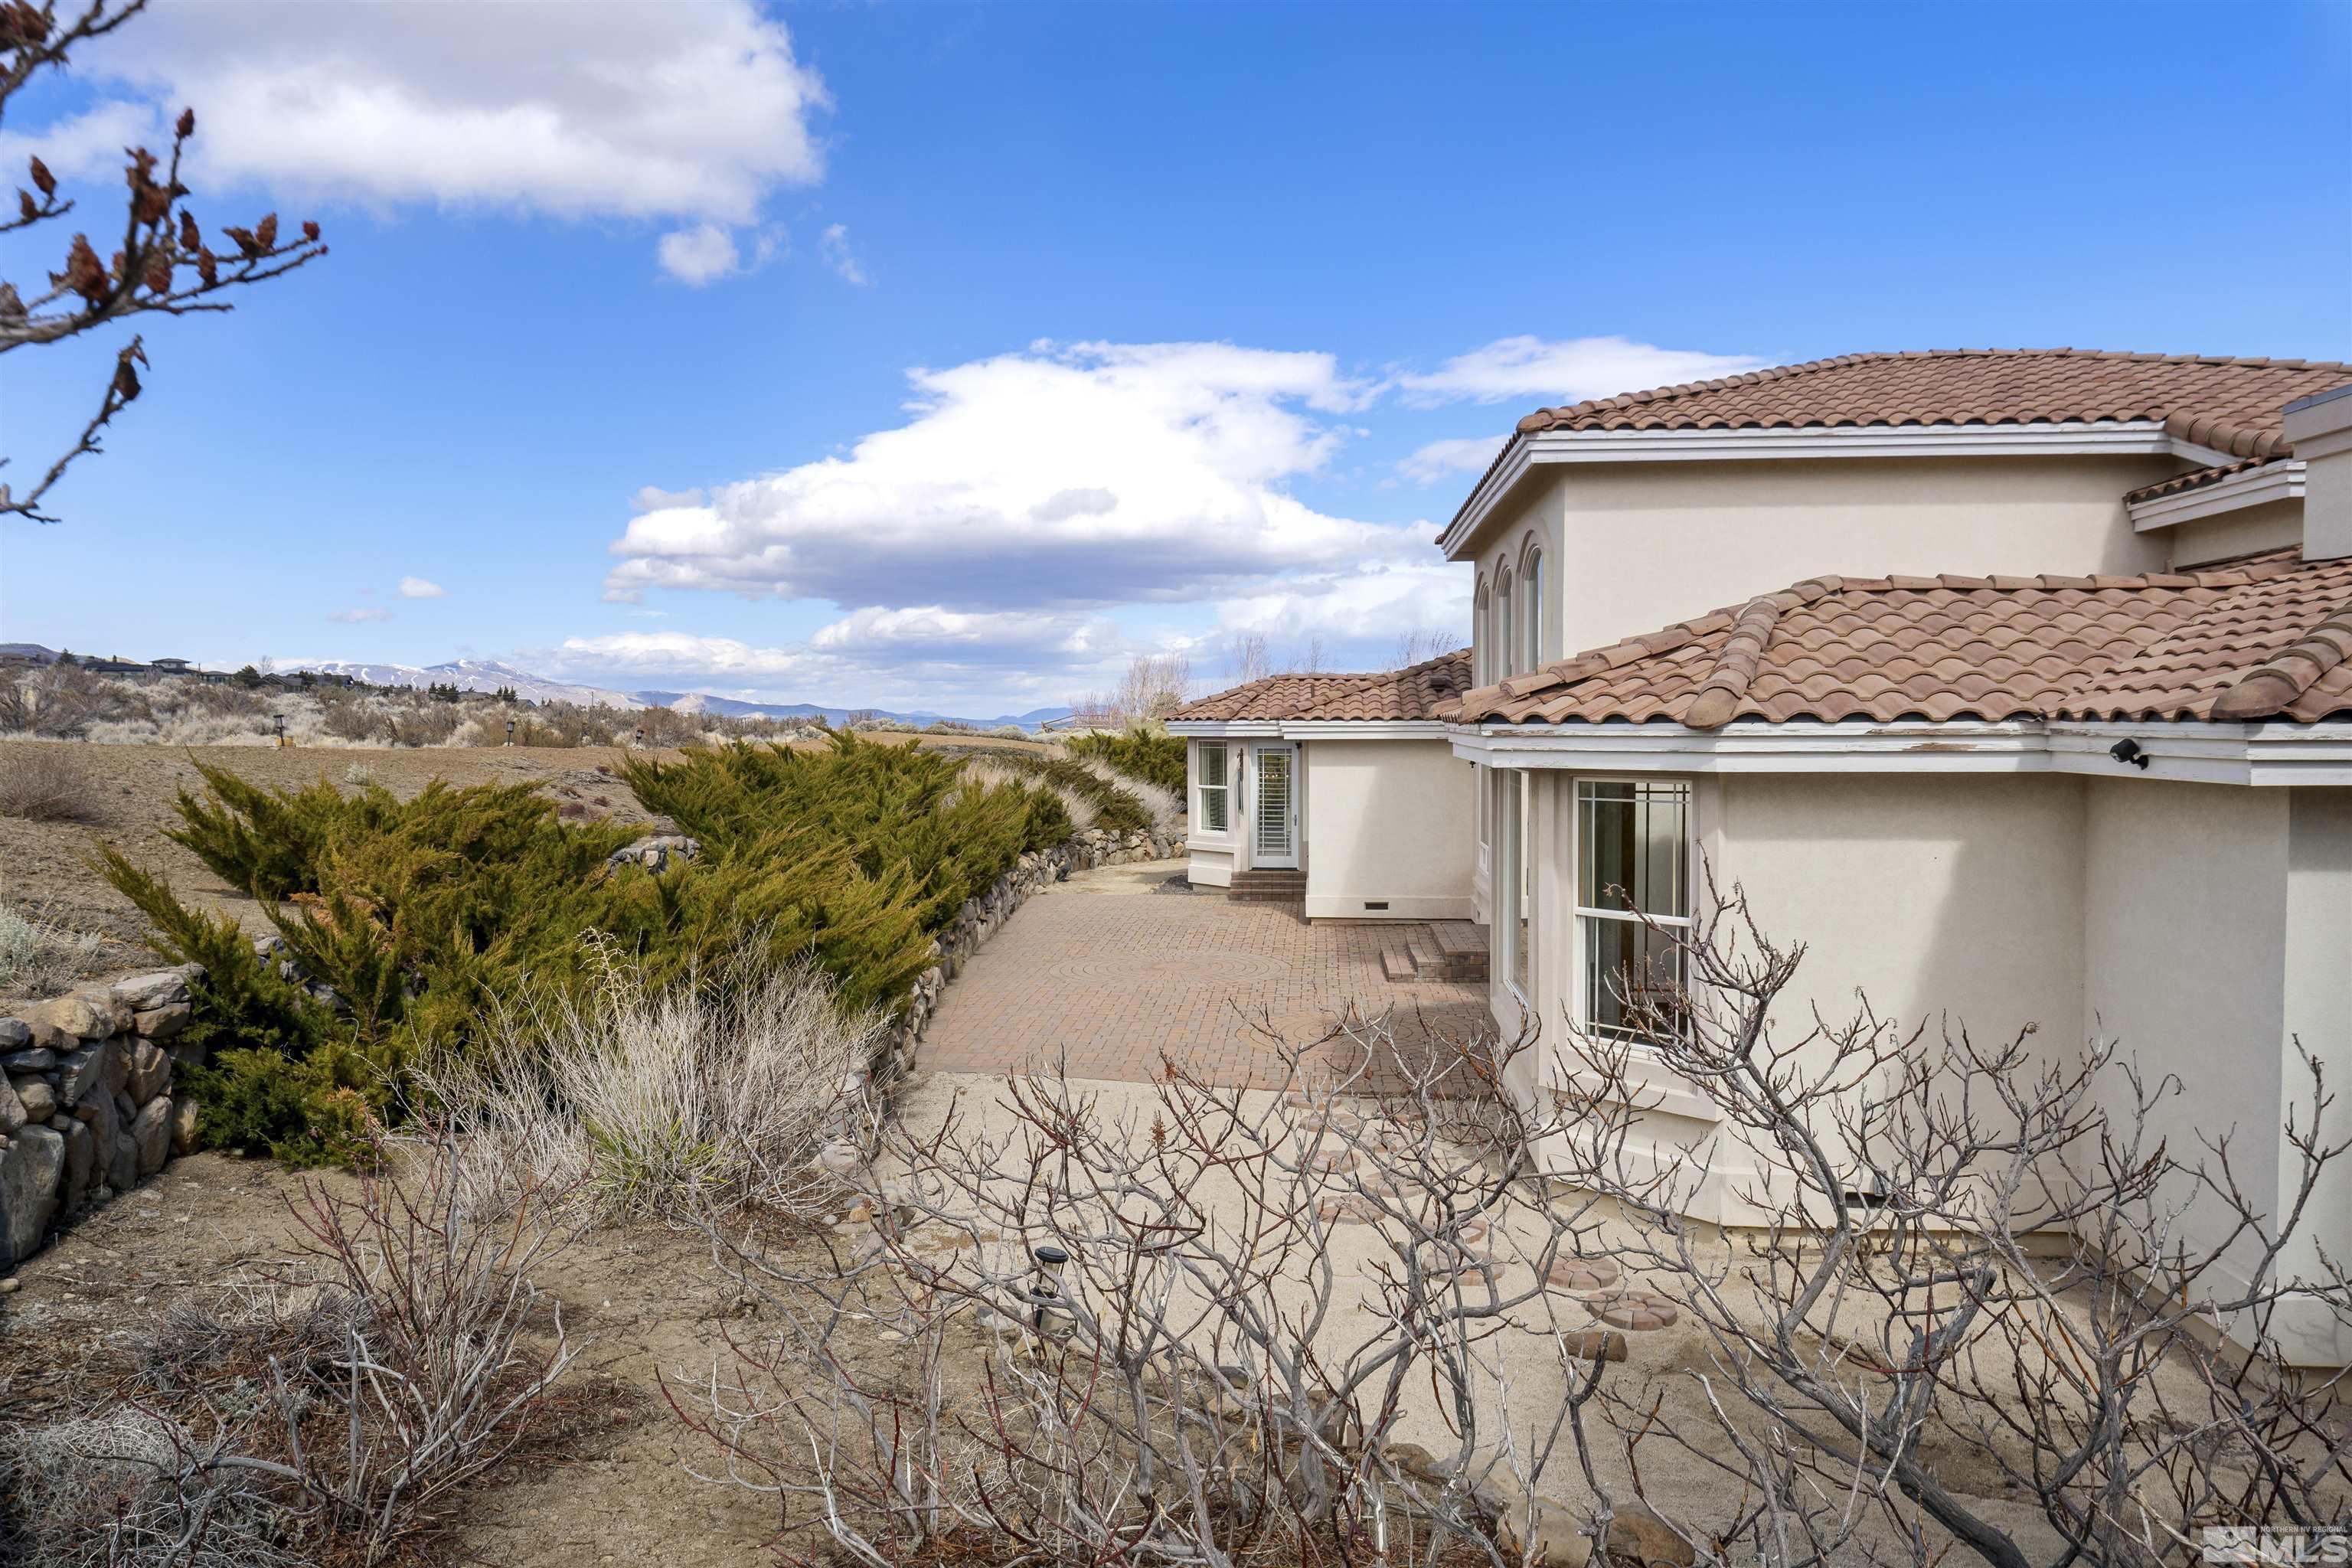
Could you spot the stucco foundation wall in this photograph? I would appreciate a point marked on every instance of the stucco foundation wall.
(1388, 821)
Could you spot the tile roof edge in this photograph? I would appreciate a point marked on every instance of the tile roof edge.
(2276, 684)
(1544, 418)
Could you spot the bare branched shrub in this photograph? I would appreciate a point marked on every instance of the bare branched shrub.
(1153, 687)
(1193, 1333)
(39, 784)
(61, 701)
(715, 1093)
(1967, 1259)
(343, 1419)
(39, 957)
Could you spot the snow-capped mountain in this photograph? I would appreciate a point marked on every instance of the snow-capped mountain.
(466, 675)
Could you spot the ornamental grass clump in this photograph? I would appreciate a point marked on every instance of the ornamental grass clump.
(656, 1103)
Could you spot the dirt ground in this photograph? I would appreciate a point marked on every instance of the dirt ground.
(646, 1303)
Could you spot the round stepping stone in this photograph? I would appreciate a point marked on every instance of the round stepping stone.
(1582, 1274)
(1333, 1162)
(1632, 1309)
(1348, 1208)
(1342, 1124)
(1302, 1100)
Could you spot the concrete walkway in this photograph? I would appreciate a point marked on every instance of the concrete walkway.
(1108, 974)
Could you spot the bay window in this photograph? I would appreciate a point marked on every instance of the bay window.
(1213, 788)
(1632, 861)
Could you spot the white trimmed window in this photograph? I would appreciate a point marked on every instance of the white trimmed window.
(1531, 613)
(1632, 859)
(1507, 647)
(1213, 788)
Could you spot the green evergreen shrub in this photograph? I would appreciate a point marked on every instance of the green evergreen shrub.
(1116, 810)
(1152, 755)
(416, 918)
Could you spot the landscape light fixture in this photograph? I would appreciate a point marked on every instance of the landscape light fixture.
(509, 731)
(279, 719)
(1045, 1292)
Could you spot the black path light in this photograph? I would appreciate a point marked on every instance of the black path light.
(1045, 1291)
(279, 719)
(509, 731)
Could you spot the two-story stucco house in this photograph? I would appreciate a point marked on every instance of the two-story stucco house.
(2016, 684)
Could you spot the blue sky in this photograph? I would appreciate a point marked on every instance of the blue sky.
(1053, 334)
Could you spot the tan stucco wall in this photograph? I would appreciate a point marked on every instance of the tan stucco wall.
(2219, 933)
(1387, 821)
(2271, 526)
(1636, 546)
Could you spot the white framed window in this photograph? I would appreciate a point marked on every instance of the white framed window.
(1482, 641)
(1632, 859)
(1213, 788)
(1531, 614)
(1513, 893)
(1505, 646)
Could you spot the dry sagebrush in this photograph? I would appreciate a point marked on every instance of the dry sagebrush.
(341, 1417)
(714, 1093)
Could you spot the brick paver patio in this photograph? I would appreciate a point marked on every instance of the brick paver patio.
(1109, 976)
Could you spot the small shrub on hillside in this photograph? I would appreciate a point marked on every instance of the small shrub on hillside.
(1152, 755)
(44, 785)
(62, 702)
(38, 957)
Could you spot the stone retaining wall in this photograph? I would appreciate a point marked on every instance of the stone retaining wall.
(88, 1112)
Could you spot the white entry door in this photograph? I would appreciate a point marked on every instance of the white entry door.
(1274, 841)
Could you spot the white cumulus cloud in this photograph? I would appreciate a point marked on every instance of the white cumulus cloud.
(1443, 459)
(418, 588)
(577, 109)
(1058, 478)
(1564, 370)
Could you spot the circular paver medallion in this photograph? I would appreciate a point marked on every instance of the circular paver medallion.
(1632, 1309)
(1581, 1274)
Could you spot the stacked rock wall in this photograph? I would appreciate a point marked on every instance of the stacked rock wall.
(88, 1110)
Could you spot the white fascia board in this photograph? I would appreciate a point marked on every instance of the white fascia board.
(2255, 486)
(2276, 753)
(2137, 437)
(1314, 729)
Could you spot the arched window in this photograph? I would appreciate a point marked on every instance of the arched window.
(1482, 649)
(1507, 647)
(1531, 613)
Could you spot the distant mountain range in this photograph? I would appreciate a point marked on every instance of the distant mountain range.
(491, 675)
(466, 675)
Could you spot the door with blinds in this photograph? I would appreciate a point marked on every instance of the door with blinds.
(1273, 835)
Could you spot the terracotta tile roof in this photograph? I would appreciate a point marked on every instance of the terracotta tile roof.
(2266, 638)
(2198, 478)
(2230, 404)
(1412, 692)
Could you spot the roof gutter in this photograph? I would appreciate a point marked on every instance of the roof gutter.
(2185, 750)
